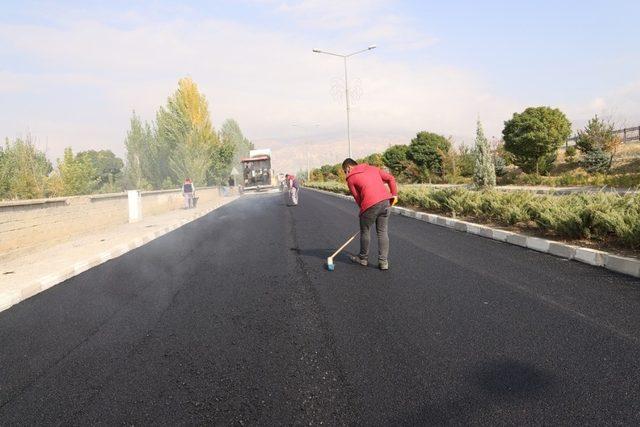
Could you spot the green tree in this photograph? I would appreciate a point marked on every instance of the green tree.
(328, 172)
(597, 160)
(222, 163)
(534, 136)
(193, 158)
(23, 170)
(374, 159)
(484, 173)
(427, 150)
(599, 139)
(233, 147)
(184, 130)
(77, 175)
(147, 164)
(107, 166)
(395, 158)
(449, 167)
(465, 161)
(152, 156)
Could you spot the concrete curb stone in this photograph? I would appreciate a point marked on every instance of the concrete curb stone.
(517, 239)
(624, 265)
(617, 263)
(500, 235)
(590, 256)
(562, 250)
(460, 226)
(537, 244)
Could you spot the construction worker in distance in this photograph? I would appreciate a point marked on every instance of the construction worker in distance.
(188, 192)
(293, 186)
(367, 186)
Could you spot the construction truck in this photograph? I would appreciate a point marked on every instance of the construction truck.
(256, 171)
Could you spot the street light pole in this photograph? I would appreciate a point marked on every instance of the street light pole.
(346, 96)
(346, 86)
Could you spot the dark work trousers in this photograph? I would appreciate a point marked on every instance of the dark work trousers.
(378, 214)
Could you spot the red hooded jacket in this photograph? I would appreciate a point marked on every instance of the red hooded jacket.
(366, 184)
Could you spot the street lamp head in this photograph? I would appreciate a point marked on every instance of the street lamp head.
(373, 46)
(317, 50)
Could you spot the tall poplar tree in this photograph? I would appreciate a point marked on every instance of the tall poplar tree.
(184, 130)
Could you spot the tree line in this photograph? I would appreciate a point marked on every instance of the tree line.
(530, 142)
(180, 143)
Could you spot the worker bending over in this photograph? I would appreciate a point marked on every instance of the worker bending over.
(367, 186)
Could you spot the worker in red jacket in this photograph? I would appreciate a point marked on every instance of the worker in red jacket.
(367, 186)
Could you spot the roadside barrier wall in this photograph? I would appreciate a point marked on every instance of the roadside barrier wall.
(26, 224)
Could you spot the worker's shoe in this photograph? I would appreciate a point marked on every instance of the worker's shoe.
(356, 259)
(383, 265)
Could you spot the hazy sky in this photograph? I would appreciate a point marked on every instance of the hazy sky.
(72, 72)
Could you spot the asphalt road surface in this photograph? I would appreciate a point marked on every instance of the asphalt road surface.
(233, 319)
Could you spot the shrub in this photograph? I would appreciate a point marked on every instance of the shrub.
(500, 165)
(427, 151)
(570, 154)
(395, 158)
(534, 136)
(601, 216)
(597, 160)
(598, 135)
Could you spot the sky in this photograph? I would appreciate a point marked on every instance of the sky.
(72, 73)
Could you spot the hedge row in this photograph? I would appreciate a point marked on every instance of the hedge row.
(605, 217)
(578, 177)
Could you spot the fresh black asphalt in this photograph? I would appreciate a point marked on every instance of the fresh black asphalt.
(233, 319)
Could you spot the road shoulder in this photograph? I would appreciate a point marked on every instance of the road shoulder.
(28, 275)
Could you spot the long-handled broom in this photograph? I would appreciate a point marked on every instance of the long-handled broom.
(330, 265)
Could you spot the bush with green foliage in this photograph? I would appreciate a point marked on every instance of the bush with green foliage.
(596, 161)
(597, 135)
(570, 154)
(24, 170)
(465, 161)
(107, 166)
(374, 159)
(76, 175)
(606, 217)
(395, 158)
(499, 165)
(427, 150)
(577, 177)
(234, 147)
(599, 142)
(534, 136)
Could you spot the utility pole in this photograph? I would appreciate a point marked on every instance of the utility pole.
(346, 86)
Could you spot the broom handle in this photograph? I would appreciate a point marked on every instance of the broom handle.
(343, 246)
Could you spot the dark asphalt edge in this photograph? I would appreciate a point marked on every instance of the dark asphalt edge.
(607, 260)
(64, 273)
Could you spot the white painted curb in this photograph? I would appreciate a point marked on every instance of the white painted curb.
(619, 264)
